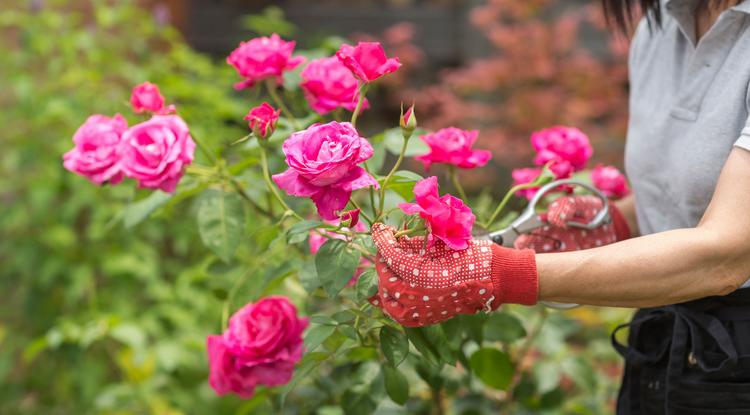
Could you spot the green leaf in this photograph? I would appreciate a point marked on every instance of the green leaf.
(298, 232)
(430, 341)
(309, 362)
(307, 275)
(504, 327)
(394, 140)
(221, 219)
(357, 403)
(361, 353)
(375, 163)
(396, 385)
(402, 182)
(317, 335)
(136, 212)
(367, 285)
(394, 344)
(349, 331)
(492, 367)
(547, 374)
(336, 264)
(581, 371)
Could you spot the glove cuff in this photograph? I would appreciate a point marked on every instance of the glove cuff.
(622, 230)
(514, 276)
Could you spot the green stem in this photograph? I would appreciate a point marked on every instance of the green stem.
(360, 101)
(389, 176)
(505, 200)
(272, 186)
(453, 175)
(202, 147)
(271, 87)
(524, 351)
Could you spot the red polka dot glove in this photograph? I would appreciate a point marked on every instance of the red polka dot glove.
(421, 285)
(557, 236)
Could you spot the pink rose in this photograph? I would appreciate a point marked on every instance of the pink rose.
(96, 154)
(262, 58)
(367, 60)
(350, 218)
(316, 240)
(610, 181)
(328, 85)
(156, 151)
(523, 176)
(447, 217)
(260, 347)
(147, 98)
(453, 146)
(323, 165)
(562, 145)
(262, 120)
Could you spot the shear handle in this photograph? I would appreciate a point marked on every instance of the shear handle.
(601, 217)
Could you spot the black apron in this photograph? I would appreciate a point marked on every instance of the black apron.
(688, 359)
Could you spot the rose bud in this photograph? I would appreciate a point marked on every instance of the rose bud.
(408, 121)
(262, 120)
(350, 218)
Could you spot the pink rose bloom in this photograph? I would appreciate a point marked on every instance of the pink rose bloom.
(147, 98)
(155, 152)
(453, 146)
(328, 85)
(447, 217)
(367, 60)
(523, 176)
(562, 144)
(323, 165)
(96, 154)
(260, 347)
(262, 58)
(610, 181)
(316, 240)
(262, 120)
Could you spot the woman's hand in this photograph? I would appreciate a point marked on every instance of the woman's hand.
(421, 285)
(558, 236)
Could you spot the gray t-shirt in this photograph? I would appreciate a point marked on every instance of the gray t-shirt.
(688, 109)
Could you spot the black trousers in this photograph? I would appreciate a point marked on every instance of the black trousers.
(688, 359)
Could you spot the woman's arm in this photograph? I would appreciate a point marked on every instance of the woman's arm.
(665, 268)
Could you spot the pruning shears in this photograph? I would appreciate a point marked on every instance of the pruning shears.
(530, 220)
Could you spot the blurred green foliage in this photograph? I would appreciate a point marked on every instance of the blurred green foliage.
(103, 312)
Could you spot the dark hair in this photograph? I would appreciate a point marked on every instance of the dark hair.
(622, 13)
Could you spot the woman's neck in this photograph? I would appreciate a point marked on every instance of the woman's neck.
(708, 12)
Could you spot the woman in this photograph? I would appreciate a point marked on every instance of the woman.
(688, 158)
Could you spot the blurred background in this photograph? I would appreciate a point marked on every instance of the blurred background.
(97, 316)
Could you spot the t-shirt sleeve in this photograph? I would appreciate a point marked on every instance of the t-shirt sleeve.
(744, 140)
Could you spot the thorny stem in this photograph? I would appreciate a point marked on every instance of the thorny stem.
(505, 201)
(360, 101)
(452, 174)
(361, 211)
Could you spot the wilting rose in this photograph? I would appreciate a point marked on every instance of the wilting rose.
(610, 181)
(453, 146)
(562, 145)
(262, 120)
(263, 58)
(319, 237)
(146, 97)
(155, 152)
(328, 85)
(323, 165)
(260, 347)
(447, 217)
(96, 151)
(367, 60)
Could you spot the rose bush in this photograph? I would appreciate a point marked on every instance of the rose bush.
(153, 357)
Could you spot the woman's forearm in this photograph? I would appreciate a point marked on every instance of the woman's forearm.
(664, 268)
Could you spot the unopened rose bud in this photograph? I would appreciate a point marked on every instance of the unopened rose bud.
(408, 121)
(350, 218)
(262, 120)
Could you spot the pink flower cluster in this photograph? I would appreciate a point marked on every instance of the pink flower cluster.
(260, 347)
(564, 149)
(263, 58)
(323, 165)
(610, 181)
(453, 146)
(153, 152)
(447, 217)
